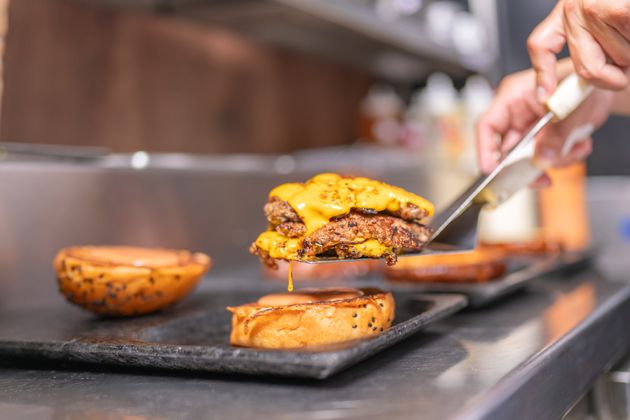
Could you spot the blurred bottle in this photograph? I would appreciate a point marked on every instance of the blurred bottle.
(564, 217)
(381, 116)
(476, 96)
(440, 17)
(417, 124)
(390, 10)
(442, 116)
(441, 101)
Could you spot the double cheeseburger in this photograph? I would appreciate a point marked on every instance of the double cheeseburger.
(341, 217)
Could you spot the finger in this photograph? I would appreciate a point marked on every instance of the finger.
(510, 140)
(545, 42)
(549, 144)
(608, 23)
(490, 129)
(579, 152)
(541, 182)
(590, 60)
(535, 107)
(551, 148)
(616, 47)
(619, 18)
(521, 114)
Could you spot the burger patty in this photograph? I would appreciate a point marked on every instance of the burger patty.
(286, 221)
(353, 228)
(278, 212)
(338, 236)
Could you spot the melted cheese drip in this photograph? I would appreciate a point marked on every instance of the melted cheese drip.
(326, 196)
(290, 285)
(372, 248)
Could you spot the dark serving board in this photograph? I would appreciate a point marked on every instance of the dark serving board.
(194, 337)
(520, 272)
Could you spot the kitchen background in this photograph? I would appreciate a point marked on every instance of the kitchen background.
(269, 76)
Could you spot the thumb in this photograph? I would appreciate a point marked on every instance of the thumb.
(544, 43)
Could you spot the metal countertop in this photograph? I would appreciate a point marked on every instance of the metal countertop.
(530, 356)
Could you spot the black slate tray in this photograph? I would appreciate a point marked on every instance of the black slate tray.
(194, 337)
(519, 273)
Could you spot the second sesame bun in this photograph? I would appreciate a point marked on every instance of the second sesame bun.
(125, 281)
(477, 266)
(311, 317)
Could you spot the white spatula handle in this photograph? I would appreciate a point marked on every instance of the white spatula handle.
(569, 94)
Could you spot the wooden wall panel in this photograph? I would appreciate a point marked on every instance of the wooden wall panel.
(77, 73)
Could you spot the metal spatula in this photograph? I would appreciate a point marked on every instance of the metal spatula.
(455, 227)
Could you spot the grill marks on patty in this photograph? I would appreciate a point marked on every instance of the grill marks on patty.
(399, 230)
(393, 232)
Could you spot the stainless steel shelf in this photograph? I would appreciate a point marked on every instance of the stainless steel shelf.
(344, 30)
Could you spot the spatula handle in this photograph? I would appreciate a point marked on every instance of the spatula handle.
(569, 94)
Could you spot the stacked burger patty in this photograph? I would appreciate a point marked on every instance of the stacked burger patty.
(400, 231)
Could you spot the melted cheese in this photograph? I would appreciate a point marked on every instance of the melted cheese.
(329, 195)
(290, 285)
(279, 246)
(326, 196)
(372, 248)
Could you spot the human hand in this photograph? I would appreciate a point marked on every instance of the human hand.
(598, 36)
(515, 109)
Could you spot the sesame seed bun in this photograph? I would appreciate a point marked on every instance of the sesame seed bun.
(125, 281)
(311, 317)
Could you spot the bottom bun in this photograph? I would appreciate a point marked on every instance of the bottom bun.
(478, 266)
(311, 317)
(534, 247)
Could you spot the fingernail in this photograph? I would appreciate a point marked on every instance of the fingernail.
(541, 93)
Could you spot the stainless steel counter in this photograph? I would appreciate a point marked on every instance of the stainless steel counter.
(531, 356)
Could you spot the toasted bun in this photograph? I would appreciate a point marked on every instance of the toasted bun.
(311, 317)
(535, 247)
(476, 266)
(124, 281)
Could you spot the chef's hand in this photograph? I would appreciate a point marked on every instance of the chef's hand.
(598, 35)
(515, 108)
